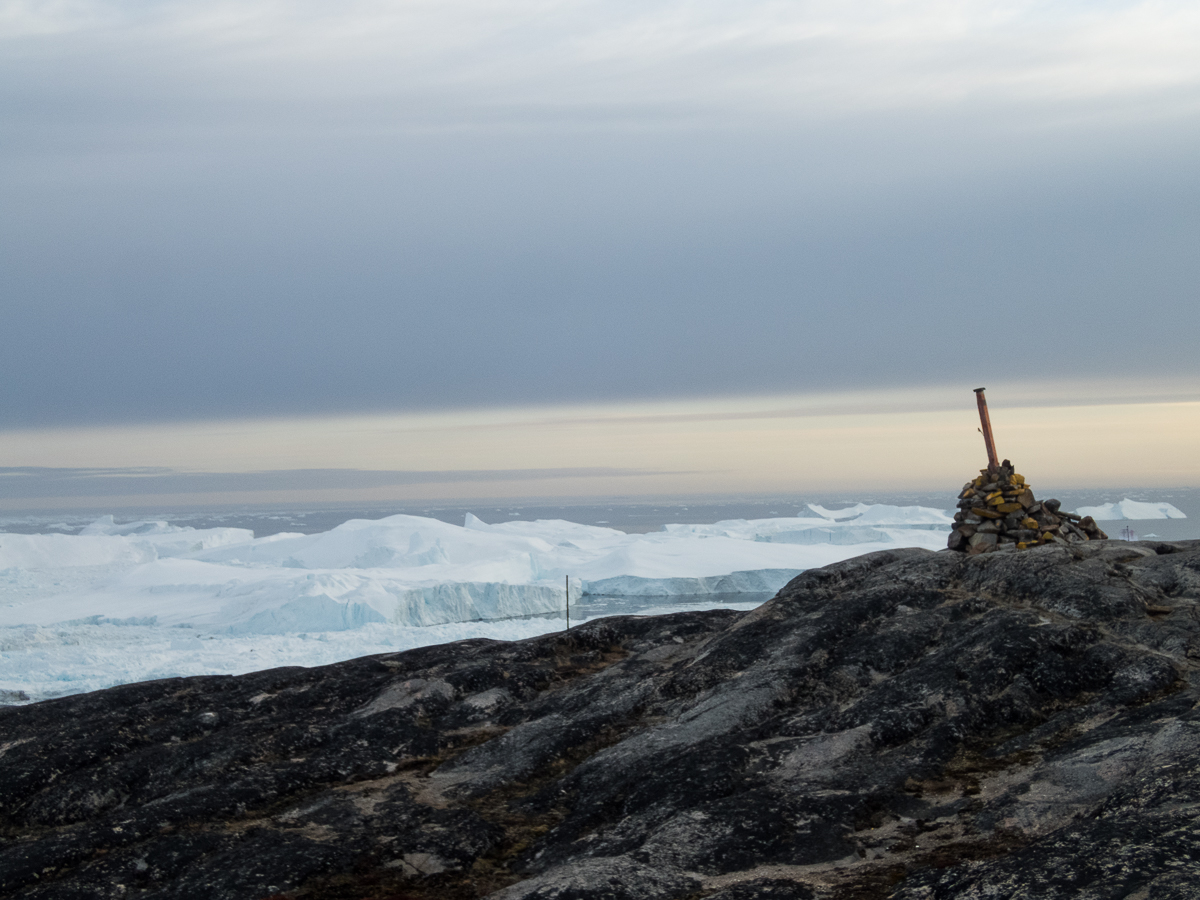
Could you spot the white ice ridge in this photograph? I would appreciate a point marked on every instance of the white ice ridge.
(1131, 509)
(409, 570)
(121, 603)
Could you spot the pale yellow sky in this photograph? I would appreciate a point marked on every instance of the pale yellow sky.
(1085, 435)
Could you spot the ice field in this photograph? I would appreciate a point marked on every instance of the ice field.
(1131, 509)
(117, 603)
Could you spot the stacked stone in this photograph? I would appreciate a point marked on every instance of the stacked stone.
(997, 511)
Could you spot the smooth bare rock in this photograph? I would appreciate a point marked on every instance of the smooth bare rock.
(618, 878)
(906, 724)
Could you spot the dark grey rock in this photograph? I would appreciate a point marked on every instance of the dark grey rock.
(905, 724)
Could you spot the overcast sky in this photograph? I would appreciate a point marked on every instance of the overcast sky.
(246, 210)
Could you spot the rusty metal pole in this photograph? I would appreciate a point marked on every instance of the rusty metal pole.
(986, 422)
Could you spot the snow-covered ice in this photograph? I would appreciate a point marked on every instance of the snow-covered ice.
(1131, 509)
(119, 603)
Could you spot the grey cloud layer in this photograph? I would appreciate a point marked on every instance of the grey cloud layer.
(569, 55)
(214, 211)
(30, 482)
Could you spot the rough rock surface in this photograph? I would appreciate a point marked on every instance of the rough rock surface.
(906, 724)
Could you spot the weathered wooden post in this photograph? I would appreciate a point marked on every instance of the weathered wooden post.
(986, 422)
(568, 584)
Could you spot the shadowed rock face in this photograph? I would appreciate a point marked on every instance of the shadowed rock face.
(907, 724)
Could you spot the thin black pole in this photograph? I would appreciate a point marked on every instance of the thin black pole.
(568, 604)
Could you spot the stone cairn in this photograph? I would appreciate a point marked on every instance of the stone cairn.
(997, 511)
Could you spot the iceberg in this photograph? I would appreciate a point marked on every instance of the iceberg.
(849, 512)
(883, 514)
(125, 602)
(415, 571)
(1131, 509)
(759, 581)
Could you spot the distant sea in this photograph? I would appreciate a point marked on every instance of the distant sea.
(631, 516)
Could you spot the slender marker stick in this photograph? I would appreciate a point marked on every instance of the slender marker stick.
(568, 604)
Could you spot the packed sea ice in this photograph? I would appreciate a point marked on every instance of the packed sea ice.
(1131, 509)
(121, 603)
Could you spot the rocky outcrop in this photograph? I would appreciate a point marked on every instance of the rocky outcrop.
(907, 725)
(997, 511)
